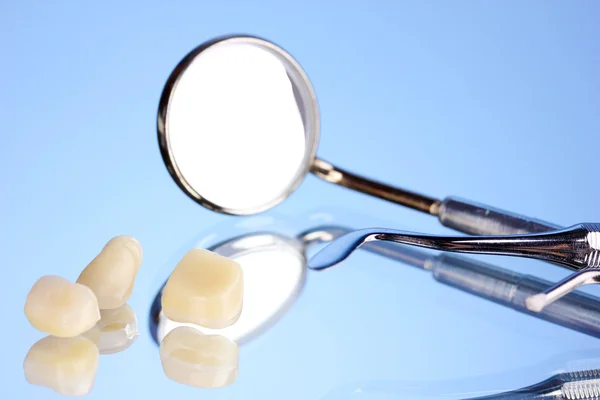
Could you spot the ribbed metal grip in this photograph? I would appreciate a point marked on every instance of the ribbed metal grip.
(582, 390)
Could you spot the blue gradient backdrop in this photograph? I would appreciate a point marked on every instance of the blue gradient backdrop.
(494, 101)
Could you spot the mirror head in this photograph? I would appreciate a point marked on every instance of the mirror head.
(238, 125)
(274, 268)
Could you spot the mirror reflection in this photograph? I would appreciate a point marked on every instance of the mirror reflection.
(192, 358)
(116, 330)
(274, 269)
(69, 365)
(66, 365)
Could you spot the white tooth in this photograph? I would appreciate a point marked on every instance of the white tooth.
(116, 330)
(65, 365)
(192, 358)
(61, 308)
(112, 273)
(205, 289)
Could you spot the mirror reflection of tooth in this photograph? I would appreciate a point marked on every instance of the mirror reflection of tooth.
(61, 308)
(111, 274)
(66, 365)
(205, 289)
(193, 358)
(116, 330)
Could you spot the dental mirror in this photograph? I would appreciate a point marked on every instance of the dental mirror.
(274, 269)
(238, 125)
(238, 129)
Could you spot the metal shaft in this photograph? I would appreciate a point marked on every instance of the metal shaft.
(328, 172)
(576, 247)
(459, 214)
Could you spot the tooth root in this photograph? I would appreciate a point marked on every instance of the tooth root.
(205, 289)
(66, 365)
(112, 273)
(116, 330)
(61, 308)
(192, 358)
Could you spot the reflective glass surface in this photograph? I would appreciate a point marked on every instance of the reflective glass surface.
(493, 102)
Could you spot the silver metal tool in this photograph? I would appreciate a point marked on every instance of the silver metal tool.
(579, 385)
(577, 248)
(584, 277)
(271, 256)
(238, 129)
(576, 311)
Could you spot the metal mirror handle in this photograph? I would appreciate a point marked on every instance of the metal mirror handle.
(459, 214)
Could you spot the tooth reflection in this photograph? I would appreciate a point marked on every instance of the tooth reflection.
(116, 330)
(65, 365)
(193, 358)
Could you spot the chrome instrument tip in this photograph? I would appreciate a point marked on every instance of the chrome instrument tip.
(339, 249)
(536, 303)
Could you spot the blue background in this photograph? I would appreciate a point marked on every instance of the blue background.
(493, 101)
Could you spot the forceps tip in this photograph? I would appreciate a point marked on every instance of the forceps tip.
(537, 302)
(339, 249)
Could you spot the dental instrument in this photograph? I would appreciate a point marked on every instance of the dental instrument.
(268, 256)
(577, 311)
(233, 99)
(578, 385)
(577, 248)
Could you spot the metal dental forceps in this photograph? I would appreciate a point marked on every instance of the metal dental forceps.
(577, 248)
(576, 385)
(579, 385)
(576, 311)
(569, 378)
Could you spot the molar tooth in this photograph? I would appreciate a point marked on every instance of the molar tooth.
(66, 365)
(61, 308)
(205, 289)
(192, 358)
(116, 330)
(111, 274)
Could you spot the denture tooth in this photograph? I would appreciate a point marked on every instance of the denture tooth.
(116, 330)
(111, 274)
(66, 365)
(61, 308)
(192, 358)
(205, 289)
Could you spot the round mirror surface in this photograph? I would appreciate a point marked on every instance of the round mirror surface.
(238, 125)
(274, 273)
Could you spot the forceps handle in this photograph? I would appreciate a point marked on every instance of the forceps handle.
(459, 214)
(577, 311)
